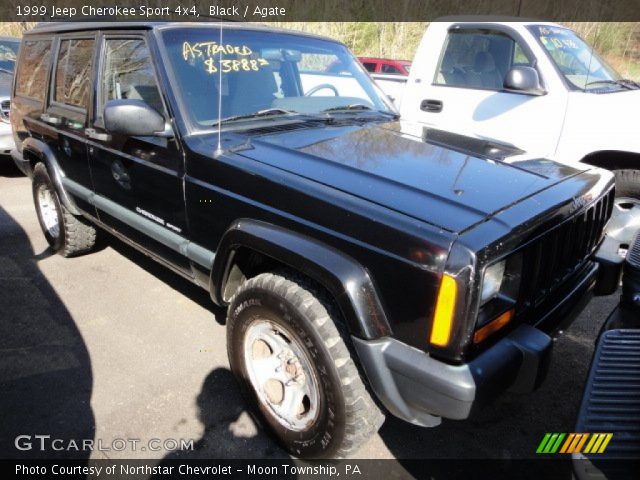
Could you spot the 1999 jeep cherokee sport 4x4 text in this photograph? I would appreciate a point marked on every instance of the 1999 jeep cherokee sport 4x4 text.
(365, 270)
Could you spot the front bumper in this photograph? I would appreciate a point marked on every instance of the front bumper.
(420, 389)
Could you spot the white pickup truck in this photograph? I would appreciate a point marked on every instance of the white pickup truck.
(536, 87)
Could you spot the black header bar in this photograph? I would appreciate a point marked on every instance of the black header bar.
(316, 10)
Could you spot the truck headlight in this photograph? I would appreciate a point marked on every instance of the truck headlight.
(492, 281)
(498, 295)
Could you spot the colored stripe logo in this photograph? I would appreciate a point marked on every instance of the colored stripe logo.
(591, 443)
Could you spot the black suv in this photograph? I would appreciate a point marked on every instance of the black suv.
(365, 269)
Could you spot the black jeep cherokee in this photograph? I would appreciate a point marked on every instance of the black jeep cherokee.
(365, 269)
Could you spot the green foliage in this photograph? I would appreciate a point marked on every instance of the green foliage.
(397, 40)
(618, 43)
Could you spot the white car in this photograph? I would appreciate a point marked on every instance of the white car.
(8, 54)
(535, 86)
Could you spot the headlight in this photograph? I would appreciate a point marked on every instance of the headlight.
(492, 281)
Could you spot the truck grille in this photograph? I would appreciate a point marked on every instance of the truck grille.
(550, 259)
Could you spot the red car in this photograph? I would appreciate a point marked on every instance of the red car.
(385, 65)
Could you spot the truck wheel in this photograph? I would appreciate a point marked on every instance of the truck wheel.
(66, 234)
(625, 219)
(293, 365)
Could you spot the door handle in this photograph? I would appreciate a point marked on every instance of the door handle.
(120, 174)
(92, 133)
(433, 106)
(50, 119)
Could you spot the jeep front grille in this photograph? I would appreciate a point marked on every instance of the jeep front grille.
(553, 257)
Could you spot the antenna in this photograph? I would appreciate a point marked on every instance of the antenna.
(219, 150)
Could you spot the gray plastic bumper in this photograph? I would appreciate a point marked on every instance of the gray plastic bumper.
(420, 389)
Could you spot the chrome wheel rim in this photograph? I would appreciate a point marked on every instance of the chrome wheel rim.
(48, 211)
(281, 374)
(625, 220)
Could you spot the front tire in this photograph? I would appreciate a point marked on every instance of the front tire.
(66, 234)
(295, 368)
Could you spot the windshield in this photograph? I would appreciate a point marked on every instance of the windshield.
(265, 74)
(8, 54)
(576, 60)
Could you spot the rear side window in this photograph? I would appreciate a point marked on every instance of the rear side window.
(73, 72)
(31, 80)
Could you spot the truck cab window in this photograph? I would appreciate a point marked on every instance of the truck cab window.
(479, 59)
(8, 55)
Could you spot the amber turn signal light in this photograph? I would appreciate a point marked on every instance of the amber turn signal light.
(493, 326)
(445, 309)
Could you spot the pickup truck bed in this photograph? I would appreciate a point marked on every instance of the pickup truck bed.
(611, 401)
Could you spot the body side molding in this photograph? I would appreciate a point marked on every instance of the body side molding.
(193, 252)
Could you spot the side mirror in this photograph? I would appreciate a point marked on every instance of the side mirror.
(133, 118)
(523, 79)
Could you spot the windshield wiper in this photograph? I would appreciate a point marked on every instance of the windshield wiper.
(623, 82)
(353, 106)
(270, 112)
(4, 70)
(627, 81)
(281, 112)
(357, 106)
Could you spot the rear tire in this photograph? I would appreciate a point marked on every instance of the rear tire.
(66, 234)
(279, 325)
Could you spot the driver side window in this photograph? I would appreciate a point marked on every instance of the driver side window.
(479, 59)
(128, 73)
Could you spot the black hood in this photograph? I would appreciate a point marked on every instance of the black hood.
(441, 186)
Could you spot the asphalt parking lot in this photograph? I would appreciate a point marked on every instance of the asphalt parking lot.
(112, 346)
